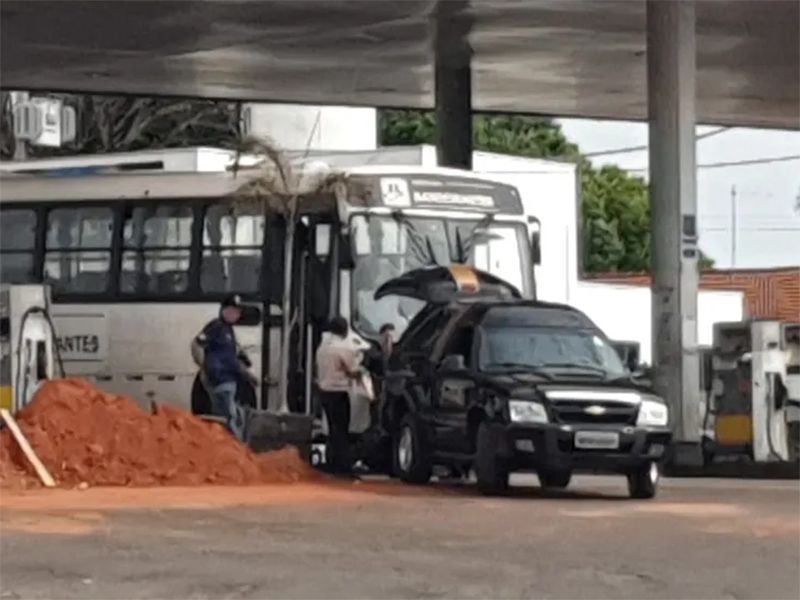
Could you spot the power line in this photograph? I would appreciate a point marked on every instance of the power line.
(757, 229)
(737, 163)
(630, 149)
(749, 216)
(775, 215)
(752, 161)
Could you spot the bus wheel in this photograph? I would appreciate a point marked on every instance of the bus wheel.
(201, 402)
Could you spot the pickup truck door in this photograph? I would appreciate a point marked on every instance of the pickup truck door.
(452, 395)
(414, 356)
(454, 389)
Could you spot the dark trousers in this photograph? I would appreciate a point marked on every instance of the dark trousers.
(337, 411)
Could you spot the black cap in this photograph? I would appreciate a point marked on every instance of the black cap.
(232, 300)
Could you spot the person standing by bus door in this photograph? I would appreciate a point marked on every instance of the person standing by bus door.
(338, 365)
(383, 367)
(222, 366)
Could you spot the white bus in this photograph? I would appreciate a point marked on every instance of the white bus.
(138, 253)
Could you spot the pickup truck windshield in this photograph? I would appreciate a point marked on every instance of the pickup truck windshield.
(556, 348)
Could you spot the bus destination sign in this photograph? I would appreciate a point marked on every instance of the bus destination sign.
(449, 193)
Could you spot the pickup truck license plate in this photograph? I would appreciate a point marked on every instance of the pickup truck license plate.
(596, 440)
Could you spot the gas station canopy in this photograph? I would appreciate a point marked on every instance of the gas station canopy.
(579, 58)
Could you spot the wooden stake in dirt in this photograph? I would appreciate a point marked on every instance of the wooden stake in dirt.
(41, 470)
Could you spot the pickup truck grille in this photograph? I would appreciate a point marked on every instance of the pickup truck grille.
(569, 412)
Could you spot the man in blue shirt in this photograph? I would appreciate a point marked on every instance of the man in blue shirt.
(222, 365)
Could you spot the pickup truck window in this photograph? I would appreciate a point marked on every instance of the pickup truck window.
(543, 347)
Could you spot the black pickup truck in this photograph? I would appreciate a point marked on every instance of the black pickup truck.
(484, 381)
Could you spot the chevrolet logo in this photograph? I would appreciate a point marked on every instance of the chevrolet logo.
(595, 410)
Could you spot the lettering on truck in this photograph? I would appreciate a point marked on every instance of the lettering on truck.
(79, 344)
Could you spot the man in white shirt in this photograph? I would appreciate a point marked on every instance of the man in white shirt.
(338, 365)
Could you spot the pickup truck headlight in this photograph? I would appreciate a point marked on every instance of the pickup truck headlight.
(652, 414)
(525, 411)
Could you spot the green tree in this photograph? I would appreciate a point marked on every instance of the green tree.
(506, 134)
(615, 203)
(616, 220)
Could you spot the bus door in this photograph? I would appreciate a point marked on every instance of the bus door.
(313, 272)
(321, 292)
(311, 284)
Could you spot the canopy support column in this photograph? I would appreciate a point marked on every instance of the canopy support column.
(453, 85)
(671, 80)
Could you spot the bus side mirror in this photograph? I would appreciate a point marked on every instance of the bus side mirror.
(536, 244)
(536, 248)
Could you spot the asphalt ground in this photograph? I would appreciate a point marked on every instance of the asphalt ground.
(698, 539)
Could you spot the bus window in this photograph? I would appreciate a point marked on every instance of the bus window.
(233, 239)
(156, 250)
(322, 238)
(17, 241)
(499, 248)
(78, 249)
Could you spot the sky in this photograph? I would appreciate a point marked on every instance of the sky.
(767, 195)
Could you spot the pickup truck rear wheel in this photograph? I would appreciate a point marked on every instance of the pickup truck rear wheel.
(554, 479)
(491, 471)
(411, 451)
(643, 482)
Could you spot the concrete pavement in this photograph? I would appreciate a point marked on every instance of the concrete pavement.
(698, 539)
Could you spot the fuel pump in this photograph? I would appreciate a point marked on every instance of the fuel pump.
(28, 352)
(749, 402)
(791, 340)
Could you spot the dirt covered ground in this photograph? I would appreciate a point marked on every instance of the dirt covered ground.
(699, 539)
(88, 437)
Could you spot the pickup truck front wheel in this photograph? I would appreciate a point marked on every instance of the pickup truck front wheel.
(644, 481)
(412, 456)
(491, 470)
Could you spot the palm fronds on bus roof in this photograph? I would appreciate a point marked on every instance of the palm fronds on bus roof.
(276, 183)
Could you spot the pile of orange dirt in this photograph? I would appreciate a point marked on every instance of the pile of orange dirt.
(12, 474)
(85, 435)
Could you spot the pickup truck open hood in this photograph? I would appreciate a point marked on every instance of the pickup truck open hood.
(440, 285)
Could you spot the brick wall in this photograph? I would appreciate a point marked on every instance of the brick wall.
(768, 294)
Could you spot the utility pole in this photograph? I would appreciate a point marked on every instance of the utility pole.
(734, 226)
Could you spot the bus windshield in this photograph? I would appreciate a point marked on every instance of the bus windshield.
(386, 247)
